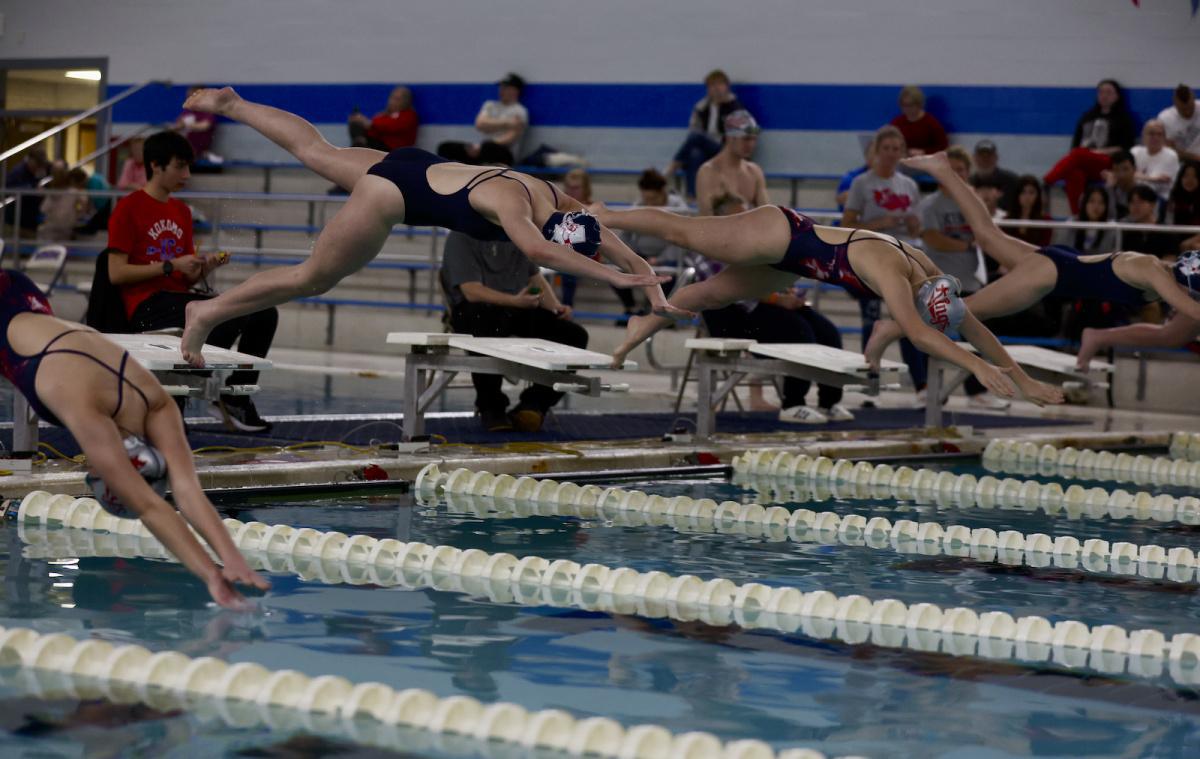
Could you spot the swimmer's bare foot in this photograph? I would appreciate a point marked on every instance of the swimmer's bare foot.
(884, 334)
(209, 100)
(933, 164)
(1089, 345)
(635, 333)
(195, 332)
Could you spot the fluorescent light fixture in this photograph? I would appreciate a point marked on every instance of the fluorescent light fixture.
(92, 75)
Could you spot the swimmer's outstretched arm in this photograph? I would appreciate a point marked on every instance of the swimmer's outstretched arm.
(615, 250)
(101, 442)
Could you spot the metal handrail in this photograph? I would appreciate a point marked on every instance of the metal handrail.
(98, 108)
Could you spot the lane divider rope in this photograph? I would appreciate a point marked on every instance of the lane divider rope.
(1025, 456)
(633, 508)
(1185, 445)
(957, 631)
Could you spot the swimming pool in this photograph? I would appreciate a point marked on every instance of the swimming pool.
(786, 688)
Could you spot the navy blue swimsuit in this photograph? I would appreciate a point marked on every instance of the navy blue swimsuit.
(423, 207)
(19, 295)
(1090, 281)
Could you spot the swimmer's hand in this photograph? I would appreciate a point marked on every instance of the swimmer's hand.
(236, 571)
(996, 379)
(1038, 392)
(667, 311)
(209, 100)
(602, 212)
(625, 280)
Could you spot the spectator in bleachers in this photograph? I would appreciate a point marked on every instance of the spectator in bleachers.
(496, 291)
(1121, 180)
(61, 210)
(152, 259)
(1103, 130)
(501, 124)
(987, 165)
(950, 244)
(26, 175)
(1095, 208)
(99, 206)
(1184, 203)
(1028, 205)
(991, 193)
(200, 129)
(706, 128)
(1143, 209)
(1156, 163)
(884, 200)
(731, 170)
(577, 183)
(923, 133)
(393, 127)
(133, 171)
(1182, 121)
(843, 188)
(783, 317)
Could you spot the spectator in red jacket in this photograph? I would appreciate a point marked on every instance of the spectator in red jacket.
(393, 127)
(922, 132)
(1102, 131)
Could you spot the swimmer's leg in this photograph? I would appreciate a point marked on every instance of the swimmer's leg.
(1007, 250)
(1029, 282)
(342, 166)
(1176, 333)
(754, 237)
(349, 241)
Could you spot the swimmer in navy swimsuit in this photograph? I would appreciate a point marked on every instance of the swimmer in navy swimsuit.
(766, 249)
(1128, 278)
(122, 400)
(412, 186)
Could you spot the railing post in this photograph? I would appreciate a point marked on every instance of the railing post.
(433, 263)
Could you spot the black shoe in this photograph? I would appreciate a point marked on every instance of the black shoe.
(495, 420)
(238, 413)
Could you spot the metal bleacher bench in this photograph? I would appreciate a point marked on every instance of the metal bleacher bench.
(738, 359)
(431, 364)
(159, 354)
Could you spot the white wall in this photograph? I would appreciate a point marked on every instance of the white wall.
(1029, 42)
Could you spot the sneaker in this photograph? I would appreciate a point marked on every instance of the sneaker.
(526, 419)
(838, 413)
(495, 420)
(987, 401)
(802, 415)
(238, 413)
(921, 400)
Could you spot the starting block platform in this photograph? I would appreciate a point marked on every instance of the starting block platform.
(1040, 363)
(159, 354)
(736, 359)
(432, 363)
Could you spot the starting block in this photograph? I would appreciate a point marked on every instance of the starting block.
(739, 358)
(1040, 363)
(159, 354)
(432, 363)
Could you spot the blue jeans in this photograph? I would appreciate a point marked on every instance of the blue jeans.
(696, 149)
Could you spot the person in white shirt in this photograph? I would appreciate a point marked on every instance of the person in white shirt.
(501, 125)
(1156, 163)
(1182, 121)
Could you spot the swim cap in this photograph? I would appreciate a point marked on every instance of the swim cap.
(1187, 267)
(578, 229)
(741, 124)
(147, 461)
(940, 304)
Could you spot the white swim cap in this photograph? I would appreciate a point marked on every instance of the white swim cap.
(148, 462)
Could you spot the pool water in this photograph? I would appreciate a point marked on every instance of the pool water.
(786, 689)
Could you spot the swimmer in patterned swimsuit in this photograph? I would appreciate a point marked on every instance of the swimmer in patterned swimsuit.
(411, 186)
(49, 361)
(1034, 273)
(766, 249)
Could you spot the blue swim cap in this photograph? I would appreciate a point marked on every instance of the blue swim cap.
(940, 304)
(578, 229)
(148, 462)
(1186, 267)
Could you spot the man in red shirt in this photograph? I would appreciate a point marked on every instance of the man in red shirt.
(393, 127)
(153, 261)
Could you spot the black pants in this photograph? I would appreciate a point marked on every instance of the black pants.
(772, 324)
(253, 333)
(486, 320)
(489, 153)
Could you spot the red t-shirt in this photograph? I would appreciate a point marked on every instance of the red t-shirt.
(926, 133)
(395, 131)
(149, 231)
